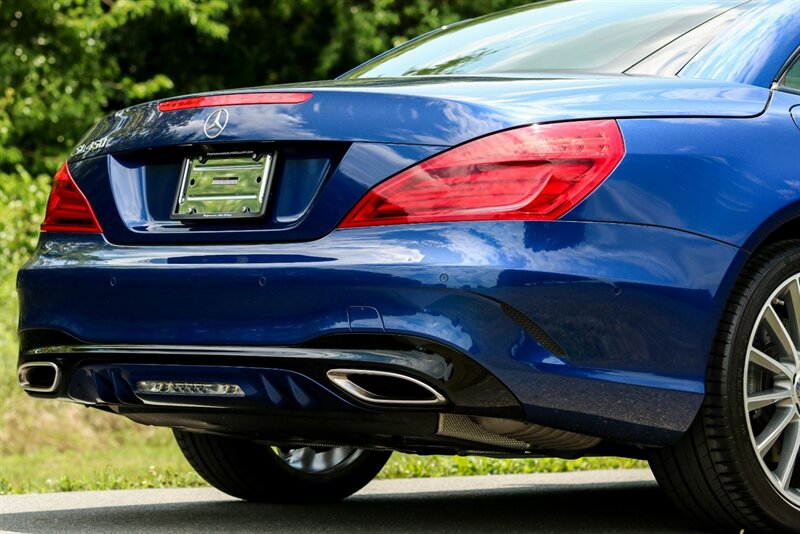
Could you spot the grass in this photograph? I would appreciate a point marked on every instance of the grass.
(160, 465)
(130, 467)
(412, 466)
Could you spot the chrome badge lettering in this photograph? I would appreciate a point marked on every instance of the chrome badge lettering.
(94, 145)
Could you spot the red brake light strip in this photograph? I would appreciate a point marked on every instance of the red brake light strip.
(237, 99)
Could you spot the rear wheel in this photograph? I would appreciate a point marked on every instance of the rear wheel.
(259, 472)
(738, 465)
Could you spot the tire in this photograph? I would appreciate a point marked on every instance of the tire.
(715, 472)
(258, 472)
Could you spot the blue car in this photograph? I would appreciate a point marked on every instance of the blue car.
(568, 229)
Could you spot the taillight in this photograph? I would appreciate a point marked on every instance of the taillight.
(237, 99)
(537, 172)
(67, 208)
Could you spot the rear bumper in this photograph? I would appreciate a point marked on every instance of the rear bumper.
(596, 328)
(281, 394)
(272, 379)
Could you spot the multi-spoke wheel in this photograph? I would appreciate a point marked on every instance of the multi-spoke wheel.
(258, 472)
(772, 388)
(738, 466)
(317, 461)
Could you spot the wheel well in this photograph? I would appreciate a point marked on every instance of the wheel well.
(788, 230)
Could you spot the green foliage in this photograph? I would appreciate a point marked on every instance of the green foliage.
(23, 198)
(68, 62)
(58, 75)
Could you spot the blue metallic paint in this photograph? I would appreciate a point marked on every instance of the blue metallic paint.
(732, 180)
(633, 306)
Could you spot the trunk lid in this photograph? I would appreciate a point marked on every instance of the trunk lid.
(429, 110)
(349, 136)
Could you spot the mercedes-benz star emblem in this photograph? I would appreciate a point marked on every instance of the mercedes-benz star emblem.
(215, 123)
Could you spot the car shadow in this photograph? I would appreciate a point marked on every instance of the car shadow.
(633, 507)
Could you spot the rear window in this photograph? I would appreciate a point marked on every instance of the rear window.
(563, 36)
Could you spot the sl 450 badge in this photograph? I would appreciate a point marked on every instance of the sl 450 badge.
(94, 145)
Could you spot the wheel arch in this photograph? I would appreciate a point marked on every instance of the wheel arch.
(783, 224)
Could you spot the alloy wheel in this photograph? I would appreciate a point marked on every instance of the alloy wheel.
(317, 461)
(772, 389)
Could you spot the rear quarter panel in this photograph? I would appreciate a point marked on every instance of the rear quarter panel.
(731, 179)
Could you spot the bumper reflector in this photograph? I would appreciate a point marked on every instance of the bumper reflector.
(154, 387)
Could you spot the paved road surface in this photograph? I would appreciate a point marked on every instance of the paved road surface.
(595, 501)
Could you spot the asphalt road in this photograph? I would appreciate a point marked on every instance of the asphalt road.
(595, 501)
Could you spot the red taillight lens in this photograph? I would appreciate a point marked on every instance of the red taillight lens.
(238, 99)
(537, 172)
(67, 208)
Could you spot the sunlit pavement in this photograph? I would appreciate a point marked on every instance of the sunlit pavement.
(595, 501)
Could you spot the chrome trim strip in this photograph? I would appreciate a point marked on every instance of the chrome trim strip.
(22, 377)
(422, 363)
(205, 350)
(340, 377)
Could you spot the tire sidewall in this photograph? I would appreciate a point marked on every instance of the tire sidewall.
(776, 271)
(328, 486)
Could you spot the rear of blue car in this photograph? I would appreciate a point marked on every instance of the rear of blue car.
(336, 262)
(498, 264)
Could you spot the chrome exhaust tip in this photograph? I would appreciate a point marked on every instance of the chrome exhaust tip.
(385, 387)
(39, 377)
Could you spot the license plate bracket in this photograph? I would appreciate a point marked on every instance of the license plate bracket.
(224, 186)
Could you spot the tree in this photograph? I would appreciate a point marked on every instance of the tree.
(58, 75)
(68, 62)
